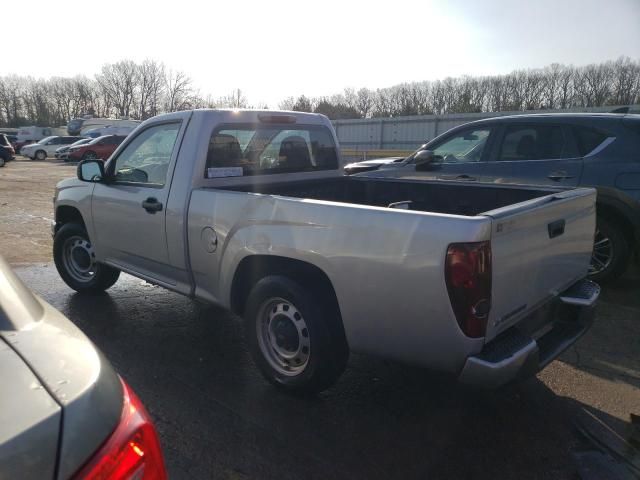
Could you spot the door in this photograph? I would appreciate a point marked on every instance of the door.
(459, 157)
(536, 154)
(52, 145)
(129, 212)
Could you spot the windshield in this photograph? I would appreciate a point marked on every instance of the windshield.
(81, 141)
(46, 139)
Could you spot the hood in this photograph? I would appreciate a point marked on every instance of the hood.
(376, 162)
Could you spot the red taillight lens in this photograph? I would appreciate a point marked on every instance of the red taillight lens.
(468, 278)
(132, 452)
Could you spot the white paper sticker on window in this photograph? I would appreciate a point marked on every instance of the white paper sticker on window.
(213, 172)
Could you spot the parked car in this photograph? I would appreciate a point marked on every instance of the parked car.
(46, 147)
(368, 165)
(64, 412)
(101, 147)
(572, 149)
(251, 209)
(109, 130)
(62, 153)
(6, 150)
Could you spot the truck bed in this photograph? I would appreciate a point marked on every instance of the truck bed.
(456, 198)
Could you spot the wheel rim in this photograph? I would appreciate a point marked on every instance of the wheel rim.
(90, 156)
(283, 336)
(602, 254)
(79, 259)
(40, 156)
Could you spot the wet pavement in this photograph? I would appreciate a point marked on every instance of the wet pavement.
(218, 418)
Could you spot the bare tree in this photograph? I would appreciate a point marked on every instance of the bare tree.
(119, 82)
(152, 83)
(178, 90)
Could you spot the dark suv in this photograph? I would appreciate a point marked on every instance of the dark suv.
(562, 149)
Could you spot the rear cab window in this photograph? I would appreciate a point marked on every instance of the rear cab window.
(243, 150)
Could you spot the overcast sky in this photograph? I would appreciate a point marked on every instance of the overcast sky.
(275, 49)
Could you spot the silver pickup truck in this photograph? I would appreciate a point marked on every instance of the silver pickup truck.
(250, 209)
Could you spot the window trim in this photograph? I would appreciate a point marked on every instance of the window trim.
(111, 164)
(285, 126)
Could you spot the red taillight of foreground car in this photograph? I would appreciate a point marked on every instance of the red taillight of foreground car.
(468, 278)
(132, 452)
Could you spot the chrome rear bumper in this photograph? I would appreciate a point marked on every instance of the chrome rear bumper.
(516, 354)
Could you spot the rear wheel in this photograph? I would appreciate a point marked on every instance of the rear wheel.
(2, 162)
(295, 338)
(611, 252)
(75, 261)
(41, 155)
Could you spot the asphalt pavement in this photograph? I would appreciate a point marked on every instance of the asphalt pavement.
(218, 418)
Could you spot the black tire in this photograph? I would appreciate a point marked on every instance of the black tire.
(2, 161)
(102, 276)
(40, 155)
(619, 253)
(90, 155)
(328, 351)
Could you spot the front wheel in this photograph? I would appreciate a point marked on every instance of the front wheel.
(41, 155)
(611, 252)
(2, 162)
(295, 338)
(75, 261)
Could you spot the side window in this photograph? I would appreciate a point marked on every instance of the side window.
(146, 159)
(466, 146)
(588, 139)
(533, 142)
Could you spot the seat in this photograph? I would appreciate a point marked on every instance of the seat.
(294, 153)
(526, 148)
(224, 151)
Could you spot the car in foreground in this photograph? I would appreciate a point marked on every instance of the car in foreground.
(7, 152)
(62, 153)
(101, 147)
(560, 149)
(251, 209)
(64, 412)
(46, 147)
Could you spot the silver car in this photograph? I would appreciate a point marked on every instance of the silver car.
(64, 412)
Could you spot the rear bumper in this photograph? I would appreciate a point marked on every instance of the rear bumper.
(517, 354)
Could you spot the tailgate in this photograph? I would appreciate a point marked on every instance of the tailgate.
(539, 248)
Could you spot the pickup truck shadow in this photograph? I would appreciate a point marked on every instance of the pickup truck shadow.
(218, 418)
(610, 348)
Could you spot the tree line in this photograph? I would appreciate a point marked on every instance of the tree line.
(122, 89)
(142, 90)
(553, 87)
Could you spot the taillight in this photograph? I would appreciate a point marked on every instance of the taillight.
(468, 278)
(132, 451)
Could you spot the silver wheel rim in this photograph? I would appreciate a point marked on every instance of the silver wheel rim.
(90, 156)
(40, 156)
(79, 258)
(602, 254)
(283, 336)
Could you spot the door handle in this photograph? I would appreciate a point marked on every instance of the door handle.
(464, 176)
(559, 175)
(556, 228)
(152, 205)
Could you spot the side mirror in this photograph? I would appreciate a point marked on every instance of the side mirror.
(91, 170)
(426, 160)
